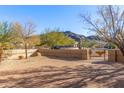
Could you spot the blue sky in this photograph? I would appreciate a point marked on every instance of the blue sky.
(63, 17)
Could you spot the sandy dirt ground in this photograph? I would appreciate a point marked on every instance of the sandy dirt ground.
(40, 72)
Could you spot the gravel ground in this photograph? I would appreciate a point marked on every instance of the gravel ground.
(40, 72)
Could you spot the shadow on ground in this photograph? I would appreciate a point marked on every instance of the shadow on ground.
(103, 62)
(63, 58)
(65, 77)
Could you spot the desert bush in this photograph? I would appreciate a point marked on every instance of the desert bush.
(100, 53)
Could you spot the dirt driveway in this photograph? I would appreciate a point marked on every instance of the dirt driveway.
(52, 72)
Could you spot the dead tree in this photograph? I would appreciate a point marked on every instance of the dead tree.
(108, 25)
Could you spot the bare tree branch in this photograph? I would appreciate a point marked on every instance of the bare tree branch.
(110, 27)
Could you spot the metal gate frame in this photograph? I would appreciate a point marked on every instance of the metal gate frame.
(99, 49)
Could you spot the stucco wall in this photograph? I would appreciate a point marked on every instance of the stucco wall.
(115, 56)
(65, 53)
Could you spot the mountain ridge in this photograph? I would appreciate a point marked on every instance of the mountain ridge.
(78, 37)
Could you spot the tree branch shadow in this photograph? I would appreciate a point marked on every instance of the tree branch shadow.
(65, 77)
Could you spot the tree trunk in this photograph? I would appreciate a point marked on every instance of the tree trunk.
(1, 53)
(26, 54)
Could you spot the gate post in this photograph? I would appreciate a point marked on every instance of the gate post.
(85, 54)
(111, 55)
(104, 54)
(116, 56)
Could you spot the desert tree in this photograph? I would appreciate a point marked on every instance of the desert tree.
(88, 43)
(108, 24)
(23, 33)
(55, 37)
(6, 36)
(6, 33)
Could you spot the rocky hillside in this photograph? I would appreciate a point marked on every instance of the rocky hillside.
(77, 37)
